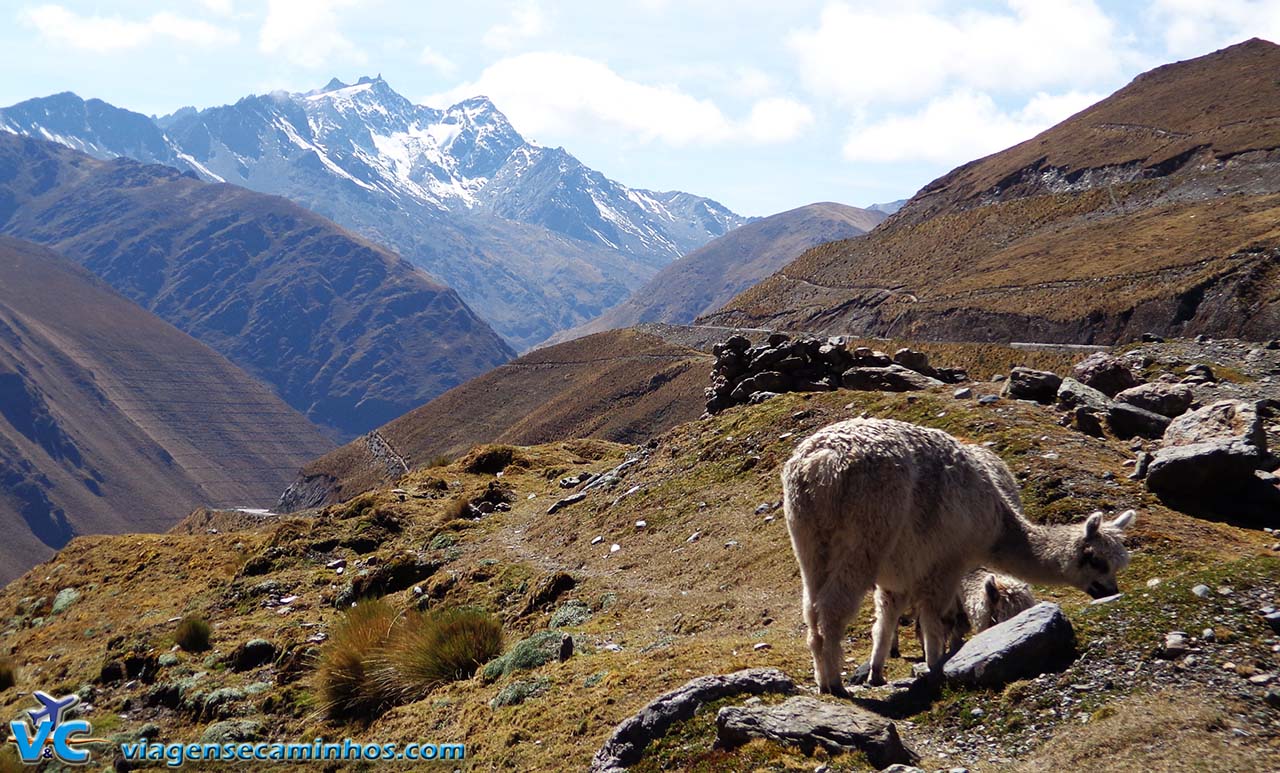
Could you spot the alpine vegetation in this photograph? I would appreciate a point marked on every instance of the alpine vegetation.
(378, 658)
(909, 510)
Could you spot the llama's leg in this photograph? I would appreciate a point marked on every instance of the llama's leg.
(895, 650)
(884, 632)
(933, 635)
(938, 621)
(810, 610)
(835, 606)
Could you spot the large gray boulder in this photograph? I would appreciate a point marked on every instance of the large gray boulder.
(765, 381)
(1038, 640)
(1170, 400)
(810, 723)
(625, 747)
(1027, 384)
(1105, 373)
(891, 378)
(910, 358)
(1213, 449)
(1073, 394)
(1129, 420)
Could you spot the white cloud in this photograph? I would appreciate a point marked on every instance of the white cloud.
(904, 52)
(526, 22)
(777, 119)
(557, 94)
(221, 7)
(103, 34)
(1194, 27)
(436, 60)
(959, 127)
(307, 32)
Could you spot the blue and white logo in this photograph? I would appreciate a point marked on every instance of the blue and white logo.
(50, 734)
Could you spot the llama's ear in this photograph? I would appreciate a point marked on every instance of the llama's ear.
(1125, 520)
(992, 588)
(1092, 524)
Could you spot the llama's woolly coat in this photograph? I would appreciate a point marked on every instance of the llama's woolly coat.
(909, 510)
(922, 501)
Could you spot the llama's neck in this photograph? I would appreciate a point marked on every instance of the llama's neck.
(1030, 552)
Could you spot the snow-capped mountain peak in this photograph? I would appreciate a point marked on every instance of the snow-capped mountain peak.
(367, 157)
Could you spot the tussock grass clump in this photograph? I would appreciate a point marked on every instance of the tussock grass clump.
(378, 658)
(192, 633)
(492, 459)
(439, 460)
(433, 648)
(8, 674)
(345, 669)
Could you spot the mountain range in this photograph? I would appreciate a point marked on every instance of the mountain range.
(112, 420)
(1153, 211)
(530, 237)
(710, 276)
(342, 329)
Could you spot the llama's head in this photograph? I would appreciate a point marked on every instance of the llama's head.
(1004, 598)
(1099, 553)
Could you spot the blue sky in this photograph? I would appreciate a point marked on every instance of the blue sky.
(762, 105)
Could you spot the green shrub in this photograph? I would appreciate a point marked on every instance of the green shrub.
(377, 659)
(345, 668)
(518, 692)
(433, 648)
(570, 613)
(192, 634)
(8, 674)
(540, 648)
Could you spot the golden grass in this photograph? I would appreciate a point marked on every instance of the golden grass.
(1177, 732)
(192, 634)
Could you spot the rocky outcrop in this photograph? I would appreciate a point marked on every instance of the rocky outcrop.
(1171, 400)
(744, 373)
(1105, 373)
(1027, 384)
(1073, 394)
(893, 378)
(629, 739)
(810, 724)
(1128, 421)
(1038, 640)
(1210, 457)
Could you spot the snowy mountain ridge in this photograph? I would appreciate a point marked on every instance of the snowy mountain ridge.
(533, 239)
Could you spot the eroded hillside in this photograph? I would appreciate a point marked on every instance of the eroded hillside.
(112, 420)
(1152, 211)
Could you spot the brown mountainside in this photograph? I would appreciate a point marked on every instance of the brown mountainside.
(344, 330)
(1153, 210)
(112, 420)
(620, 385)
(707, 278)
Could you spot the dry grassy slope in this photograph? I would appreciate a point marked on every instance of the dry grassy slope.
(707, 278)
(1153, 210)
(676, 608)
(112, 420)
(621, 385)
(345, 331)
